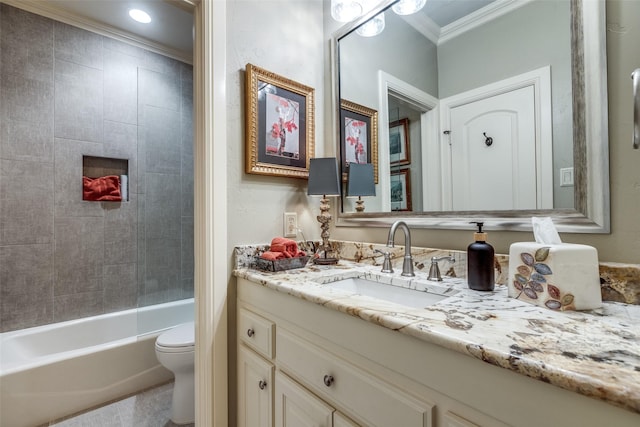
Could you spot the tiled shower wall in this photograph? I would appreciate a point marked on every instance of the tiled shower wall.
(64, 93)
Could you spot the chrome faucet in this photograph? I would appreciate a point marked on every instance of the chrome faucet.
(407, 263)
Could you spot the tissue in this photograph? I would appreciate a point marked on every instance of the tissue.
(552, 274)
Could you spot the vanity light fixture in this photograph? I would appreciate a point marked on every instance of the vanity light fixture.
(360, 183)
(324, 181)
(346, 10)
(407, 7)
(139, 16)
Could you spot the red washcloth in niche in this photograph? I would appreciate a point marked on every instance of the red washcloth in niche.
(105, 188)
(287, 246)
(272, 256)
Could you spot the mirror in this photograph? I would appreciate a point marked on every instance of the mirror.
(422, 79)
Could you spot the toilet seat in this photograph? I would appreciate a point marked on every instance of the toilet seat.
(180, 339)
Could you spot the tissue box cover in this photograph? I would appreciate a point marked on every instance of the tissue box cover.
(558, 277)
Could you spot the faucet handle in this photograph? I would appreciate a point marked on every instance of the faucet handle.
(386, 265)
(434, 270)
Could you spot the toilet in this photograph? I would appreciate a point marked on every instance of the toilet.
(175, 350)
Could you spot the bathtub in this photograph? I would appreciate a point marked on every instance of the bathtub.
(51, 371)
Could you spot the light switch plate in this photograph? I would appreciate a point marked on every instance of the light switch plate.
(290, 224)
(566, 177)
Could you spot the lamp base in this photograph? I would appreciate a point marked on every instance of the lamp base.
(325, 261)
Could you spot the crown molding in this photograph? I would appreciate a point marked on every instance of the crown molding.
(479, 17)
(48, 10)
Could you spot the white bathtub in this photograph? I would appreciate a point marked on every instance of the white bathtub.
(52, 371)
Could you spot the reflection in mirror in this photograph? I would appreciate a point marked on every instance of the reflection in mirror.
(478, 110)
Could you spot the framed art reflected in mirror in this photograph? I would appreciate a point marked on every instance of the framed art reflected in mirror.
(401, 190)
(359, 133)
(399, 146)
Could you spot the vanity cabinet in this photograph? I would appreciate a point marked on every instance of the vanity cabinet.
(327, 368)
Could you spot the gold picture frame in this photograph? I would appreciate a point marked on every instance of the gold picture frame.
(364, 121)
(279, 127)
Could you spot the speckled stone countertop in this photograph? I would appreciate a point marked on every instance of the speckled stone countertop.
(595, 353)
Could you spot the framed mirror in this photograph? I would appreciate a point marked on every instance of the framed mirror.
(497, 111)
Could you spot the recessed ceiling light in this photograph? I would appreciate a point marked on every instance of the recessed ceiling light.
(140, 16)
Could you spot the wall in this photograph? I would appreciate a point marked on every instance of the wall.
(64, 93)
(284, 37)
(623, 244)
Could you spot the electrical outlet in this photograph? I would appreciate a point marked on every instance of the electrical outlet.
(290, 224)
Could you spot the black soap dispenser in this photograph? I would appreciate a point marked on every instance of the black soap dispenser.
(480, 262)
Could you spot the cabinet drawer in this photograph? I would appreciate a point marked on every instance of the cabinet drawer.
(256, 332)
(368, 398)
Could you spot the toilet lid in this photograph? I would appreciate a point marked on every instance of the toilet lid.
(180, 336)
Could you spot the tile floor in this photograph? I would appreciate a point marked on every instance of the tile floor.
(150, 408)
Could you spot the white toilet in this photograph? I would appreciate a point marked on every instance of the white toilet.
(175, 350)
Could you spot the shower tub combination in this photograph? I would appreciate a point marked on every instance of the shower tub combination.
(52, 371)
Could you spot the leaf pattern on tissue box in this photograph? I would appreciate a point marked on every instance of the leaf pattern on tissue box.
(532, 277)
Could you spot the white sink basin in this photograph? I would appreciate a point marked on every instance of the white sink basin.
(396, 294)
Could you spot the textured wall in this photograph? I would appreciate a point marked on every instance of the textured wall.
(65, 93)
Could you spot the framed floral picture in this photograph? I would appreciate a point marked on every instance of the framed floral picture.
(279, 125)
(359, 136)
(401, 190)
(399, 147)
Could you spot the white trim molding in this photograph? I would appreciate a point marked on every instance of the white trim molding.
(210, 228)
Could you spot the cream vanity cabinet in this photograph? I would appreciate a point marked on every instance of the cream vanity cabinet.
(302, 364)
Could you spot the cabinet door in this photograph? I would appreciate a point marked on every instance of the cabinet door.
(452, 420)
(340, 420)
(255, 390)
(297, 407)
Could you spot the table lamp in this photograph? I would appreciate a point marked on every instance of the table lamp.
(324, 180)
(360, 183)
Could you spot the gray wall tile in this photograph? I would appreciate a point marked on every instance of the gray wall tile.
(26, 286)
(120, 87)
(162, 206)
(79, 255)
(78, 102)
(34, 59)
(26, 202)
(21, 140)
(73, 44)
(77, 305)
(120, 232)
(162, 140)
(25, 99)
(120, 287)
(159, 89)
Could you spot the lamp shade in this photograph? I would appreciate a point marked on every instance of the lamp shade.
(361, 182)
(324, 179)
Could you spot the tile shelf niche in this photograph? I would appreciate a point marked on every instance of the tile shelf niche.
(96, 167)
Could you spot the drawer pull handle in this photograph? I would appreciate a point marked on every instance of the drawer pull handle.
(250, 332)
(328, 380)
(262, 384)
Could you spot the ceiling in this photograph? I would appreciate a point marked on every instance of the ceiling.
(171, 23)
(445, 12)
(172, 20)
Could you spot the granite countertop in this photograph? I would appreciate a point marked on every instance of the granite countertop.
(595, 353)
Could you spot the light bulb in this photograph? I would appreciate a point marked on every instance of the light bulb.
(372, 27)
(140, 16)
(407, 7)
(345, 10)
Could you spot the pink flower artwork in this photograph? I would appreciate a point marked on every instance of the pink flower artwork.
(283, 137)
(356, 138)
